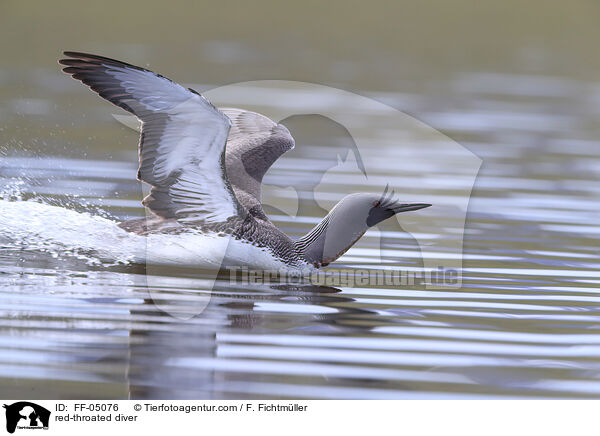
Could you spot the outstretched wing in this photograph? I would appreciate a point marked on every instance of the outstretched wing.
(255, 142)
(182, 144)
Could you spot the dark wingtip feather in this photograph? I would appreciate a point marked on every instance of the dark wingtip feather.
(89, 56)
(75, 54)
(88, 59)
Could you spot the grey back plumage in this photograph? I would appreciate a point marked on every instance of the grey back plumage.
(255, 142)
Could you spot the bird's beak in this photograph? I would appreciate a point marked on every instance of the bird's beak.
(410, 206)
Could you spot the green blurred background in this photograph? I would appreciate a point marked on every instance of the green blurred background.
(377, 45)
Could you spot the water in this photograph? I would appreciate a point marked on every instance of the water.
(80, 319)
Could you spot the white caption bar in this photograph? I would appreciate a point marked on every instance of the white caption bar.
(293, 417)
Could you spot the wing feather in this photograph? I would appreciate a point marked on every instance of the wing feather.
(182, 143)
(255, 142)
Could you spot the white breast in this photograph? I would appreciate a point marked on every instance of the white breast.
(211, 251)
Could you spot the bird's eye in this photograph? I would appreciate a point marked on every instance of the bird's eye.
(376, 203)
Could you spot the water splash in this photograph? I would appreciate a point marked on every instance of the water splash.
(32, 225)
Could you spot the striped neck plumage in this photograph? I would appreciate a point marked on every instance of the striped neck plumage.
(346, 223)
(331, 238)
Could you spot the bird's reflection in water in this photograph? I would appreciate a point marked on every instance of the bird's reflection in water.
(158, 349)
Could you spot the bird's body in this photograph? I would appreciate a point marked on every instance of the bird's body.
(206, 166)
(245, 242)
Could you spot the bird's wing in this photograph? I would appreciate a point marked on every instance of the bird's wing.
(255, 142)
(182, 143)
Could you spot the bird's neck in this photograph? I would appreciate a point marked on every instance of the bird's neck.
(328, 240)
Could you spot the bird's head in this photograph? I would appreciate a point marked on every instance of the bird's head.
(348, 221)
(371, 209)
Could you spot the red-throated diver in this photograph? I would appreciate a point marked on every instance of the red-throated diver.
(206, 165)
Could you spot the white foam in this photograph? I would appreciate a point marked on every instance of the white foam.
(63, 232)
(38, 226)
